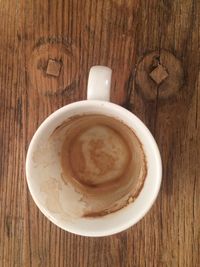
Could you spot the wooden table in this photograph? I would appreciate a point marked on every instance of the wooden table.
(153, 49)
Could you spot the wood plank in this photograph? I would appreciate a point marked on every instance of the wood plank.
(11, 137)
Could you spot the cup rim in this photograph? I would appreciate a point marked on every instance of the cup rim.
(48, 214)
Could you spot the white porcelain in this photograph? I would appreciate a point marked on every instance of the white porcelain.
(59, 202)
(99, 83)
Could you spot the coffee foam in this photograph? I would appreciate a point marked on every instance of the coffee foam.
(104, 161)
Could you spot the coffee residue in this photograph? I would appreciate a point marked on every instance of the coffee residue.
(103, 159)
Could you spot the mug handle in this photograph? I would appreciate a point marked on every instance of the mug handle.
(99, 83)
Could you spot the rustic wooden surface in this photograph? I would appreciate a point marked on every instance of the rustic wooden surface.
(118, 34)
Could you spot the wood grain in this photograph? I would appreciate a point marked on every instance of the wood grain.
(117, 34)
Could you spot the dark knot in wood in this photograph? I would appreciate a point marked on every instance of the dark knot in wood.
(159, 74)
(52, 68)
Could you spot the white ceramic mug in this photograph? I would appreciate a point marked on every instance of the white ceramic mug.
(59, 202)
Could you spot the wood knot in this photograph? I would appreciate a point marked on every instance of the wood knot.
(159, 74)
(52, 68)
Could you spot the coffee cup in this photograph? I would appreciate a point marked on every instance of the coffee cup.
(112, 204)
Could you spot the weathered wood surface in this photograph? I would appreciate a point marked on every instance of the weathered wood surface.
(122, 35)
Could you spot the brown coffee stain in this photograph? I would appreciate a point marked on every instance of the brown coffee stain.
(103, 159)
(63, 125)
(94, 159)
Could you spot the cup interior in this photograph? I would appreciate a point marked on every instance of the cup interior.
(59, 201)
